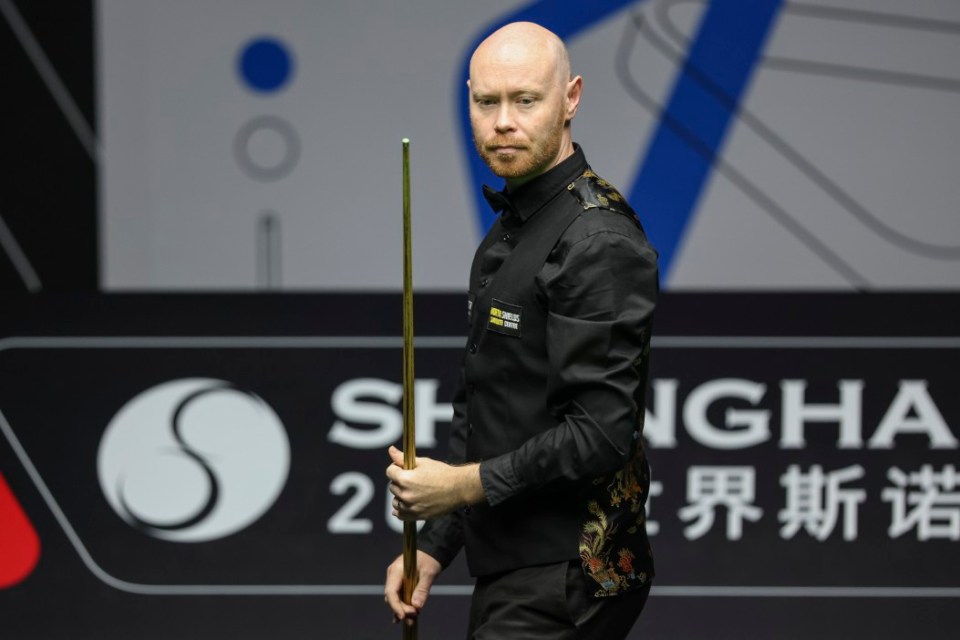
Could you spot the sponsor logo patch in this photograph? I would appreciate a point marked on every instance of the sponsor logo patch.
(504, 318)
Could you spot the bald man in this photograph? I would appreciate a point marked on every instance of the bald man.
(546, 479)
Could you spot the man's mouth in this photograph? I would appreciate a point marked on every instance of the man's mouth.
(507, 148)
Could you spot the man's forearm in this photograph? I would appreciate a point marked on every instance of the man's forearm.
(468, 484)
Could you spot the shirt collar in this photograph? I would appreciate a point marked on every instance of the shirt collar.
(521, 203)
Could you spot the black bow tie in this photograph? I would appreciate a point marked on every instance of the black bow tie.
(497, 200)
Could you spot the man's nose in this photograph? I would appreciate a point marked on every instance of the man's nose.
(504, 120)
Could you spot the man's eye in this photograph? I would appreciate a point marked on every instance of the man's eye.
(483, 102)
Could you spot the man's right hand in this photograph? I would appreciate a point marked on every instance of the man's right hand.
(428, 568)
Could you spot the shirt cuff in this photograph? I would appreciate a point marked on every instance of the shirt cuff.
(499, 479)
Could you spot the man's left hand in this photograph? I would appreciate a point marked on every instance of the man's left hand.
(433, 488)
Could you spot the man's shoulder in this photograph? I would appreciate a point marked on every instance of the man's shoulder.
(604, 209)
(593, 192)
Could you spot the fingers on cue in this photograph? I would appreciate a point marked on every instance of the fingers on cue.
(391, 594)
(396, 505)
(401, 610)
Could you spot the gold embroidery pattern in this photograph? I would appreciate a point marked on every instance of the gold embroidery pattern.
(594, 192)
(609, 558)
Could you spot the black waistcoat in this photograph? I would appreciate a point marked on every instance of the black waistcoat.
(506, 373)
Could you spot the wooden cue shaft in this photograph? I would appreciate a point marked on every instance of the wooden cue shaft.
(410, 575)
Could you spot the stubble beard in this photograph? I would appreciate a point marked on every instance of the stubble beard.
(532, 159)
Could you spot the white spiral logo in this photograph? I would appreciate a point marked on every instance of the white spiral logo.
(192, 460)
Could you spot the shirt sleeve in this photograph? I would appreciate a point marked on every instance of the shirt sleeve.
(442, 537)
(600, 299)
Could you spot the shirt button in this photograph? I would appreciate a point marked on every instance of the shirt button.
(484, 282)
(473, 347)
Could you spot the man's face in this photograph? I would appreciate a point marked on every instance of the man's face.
(518, 112)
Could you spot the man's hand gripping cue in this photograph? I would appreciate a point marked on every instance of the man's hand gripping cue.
(430, 490)
(433, 488)
(428, 569)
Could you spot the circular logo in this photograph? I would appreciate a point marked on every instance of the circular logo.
(267, 148)
(265, 64)
(192, 460)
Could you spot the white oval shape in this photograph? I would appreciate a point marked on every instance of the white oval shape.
(192, 460)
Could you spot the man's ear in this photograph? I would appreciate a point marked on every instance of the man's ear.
(574, 93)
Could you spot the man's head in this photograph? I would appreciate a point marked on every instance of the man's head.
(522, 100)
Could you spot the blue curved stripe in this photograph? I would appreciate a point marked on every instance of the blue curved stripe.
(677, 165)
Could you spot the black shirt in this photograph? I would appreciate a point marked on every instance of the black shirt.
(550, 400)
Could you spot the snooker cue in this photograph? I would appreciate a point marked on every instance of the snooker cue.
(410, 575)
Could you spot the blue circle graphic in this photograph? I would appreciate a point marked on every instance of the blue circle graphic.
(265, 64)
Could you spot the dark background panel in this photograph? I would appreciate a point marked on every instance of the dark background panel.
(86, 607)
(49, 179)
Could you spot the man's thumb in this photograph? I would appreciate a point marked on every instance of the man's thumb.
(420, 593)
(396, 455)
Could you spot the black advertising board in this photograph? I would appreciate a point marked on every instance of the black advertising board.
(212, 466)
